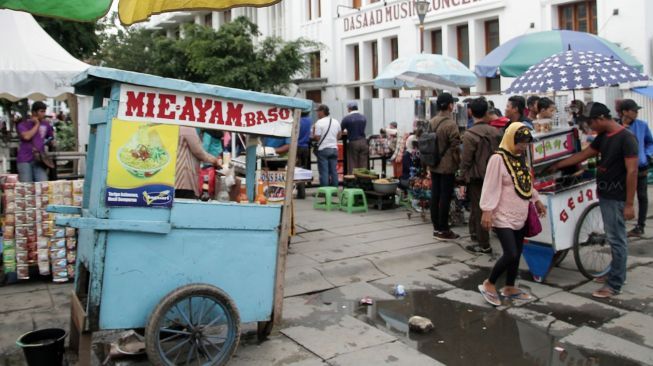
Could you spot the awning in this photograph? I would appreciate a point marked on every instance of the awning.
(646, 91)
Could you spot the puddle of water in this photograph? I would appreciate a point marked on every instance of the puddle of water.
(468, 335)
(577, 316)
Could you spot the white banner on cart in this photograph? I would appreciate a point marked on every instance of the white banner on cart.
(143, 104)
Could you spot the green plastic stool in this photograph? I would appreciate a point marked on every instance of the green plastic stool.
(353, 200)
(328, 193)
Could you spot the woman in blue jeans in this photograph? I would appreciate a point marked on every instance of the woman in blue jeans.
(327, 132)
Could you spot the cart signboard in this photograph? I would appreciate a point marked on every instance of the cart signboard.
(144, 104)
(141, 167)
(553, 146)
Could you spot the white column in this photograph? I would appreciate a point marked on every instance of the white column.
(476, 46)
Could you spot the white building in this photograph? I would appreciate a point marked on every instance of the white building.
(360, 37)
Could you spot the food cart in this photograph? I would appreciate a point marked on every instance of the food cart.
(188, 272)
(573, 220)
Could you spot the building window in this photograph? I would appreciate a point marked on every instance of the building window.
(208, 20)
(357, 75)
(436, 41)
(375, 92)
(463, 44)
(579, 16)
(394, 48)
(395, 93)
(357, 93)
(356, 4)
(314, 59)
(227, 16)
(314, 95)
(492, 42)
(309, 9)
(319, 8)
(375, 58)
(313, 9)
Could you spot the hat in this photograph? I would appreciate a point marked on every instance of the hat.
(444, 100)
(629, 105)
(352, 105)
(322, 107)
(599, 110)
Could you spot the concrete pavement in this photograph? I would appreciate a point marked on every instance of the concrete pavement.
(338, 258)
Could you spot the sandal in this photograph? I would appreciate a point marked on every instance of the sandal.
(491, 298)
(604, 292)
(521, 295)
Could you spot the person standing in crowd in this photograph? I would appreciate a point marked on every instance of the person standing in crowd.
(546, 111)
(35, 133)
(531, 104)
(327, 133)
(479, 143)
(616, 181)
(189, 155)
(515, 109)
(443, 175)
(496, 120)
(303, 141)
(470, 118)
(506, 194)
(639, 128)
(353, 126)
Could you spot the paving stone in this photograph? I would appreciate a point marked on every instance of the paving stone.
(343, 251)
(543, 322)
(354, 292)
(349, 271)
(304, 279)
(407, 260)
(274, 351)
(454, 251)
(317, 235)
(564, 278)
(14, 325)
(297, 260)
(384, 234)
(453, 272)
(322, 245)
(297, 239)
(465, 297)
(594, 340)
(634, 326)
(347, 335)
(402, 242)
(537, 289)
(36, 299)
(576, 310)
(395, 353)
(359, 229)
(418, 280)
(22, 287)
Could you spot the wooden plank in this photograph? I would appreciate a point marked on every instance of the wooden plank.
(98, 116)
(139, 226)
(282, 251)
(66, 210)
(78, 315)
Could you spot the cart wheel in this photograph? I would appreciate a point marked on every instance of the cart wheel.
(263, 330)
(559, 257)
(592, 251)
(196, 324)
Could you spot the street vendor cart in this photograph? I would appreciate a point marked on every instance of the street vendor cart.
(573, 220)
(188, 272)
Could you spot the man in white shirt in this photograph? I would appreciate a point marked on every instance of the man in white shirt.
(327, 132)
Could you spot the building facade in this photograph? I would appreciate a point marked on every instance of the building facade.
(360, 37)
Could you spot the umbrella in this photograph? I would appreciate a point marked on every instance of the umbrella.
(572, 70)
(425, 71)
(130, 11)
(514, 57)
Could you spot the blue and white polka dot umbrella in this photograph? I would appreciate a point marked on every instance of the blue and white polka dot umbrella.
(572, 70)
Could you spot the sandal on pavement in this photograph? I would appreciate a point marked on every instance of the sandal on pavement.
(521, 295)
(491, 298)
(601, 279)
(604, 292)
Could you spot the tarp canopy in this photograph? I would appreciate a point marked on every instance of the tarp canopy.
(646, 91)
(32, 64)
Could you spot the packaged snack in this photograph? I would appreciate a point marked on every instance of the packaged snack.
(43, 255)
(32, 238)
(10, 219)
(20, 204)
(67, 189)
(22, 271)
(21, 230)
(68, 201)
(44, 187)
(9, 255)
(71, 256)
(20, 217)
(44, 268)
(39, 231)
(71, 243)
(71, 270)
(10, 267)
(78, 199)
(42, 243)
(58, 254)
(21, 244)
(30, 201)
(71, 232)
(31, 230)
(78, 186)
(29, 189)
(32, 257)
(21, 256)
(57, 243)
(10, 206)
(19, 190)
(32, 246)
(8, 232)
(56, 199)
(48, 227)
(58, 232)
(9, 244)
(45, 201)
(59, 263)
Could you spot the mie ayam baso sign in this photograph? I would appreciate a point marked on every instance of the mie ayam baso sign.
(143, 104)
(396, 11)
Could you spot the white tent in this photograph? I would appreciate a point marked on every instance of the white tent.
(32, 64)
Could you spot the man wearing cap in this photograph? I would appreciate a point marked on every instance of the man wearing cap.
(443, 175)
(616, 181)
(327, 133)
(629, 110)
(353, 125)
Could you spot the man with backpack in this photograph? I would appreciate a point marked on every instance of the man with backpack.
(479, 143)
(440, 152)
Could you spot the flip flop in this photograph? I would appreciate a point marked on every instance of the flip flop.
(521, 295)
(491, 298)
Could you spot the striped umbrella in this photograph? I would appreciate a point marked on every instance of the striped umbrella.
(573, 70)
(514, 57)
(130, 11)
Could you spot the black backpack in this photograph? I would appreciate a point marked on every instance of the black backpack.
(428, 147)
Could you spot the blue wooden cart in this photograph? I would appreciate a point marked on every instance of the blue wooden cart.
(190, 272)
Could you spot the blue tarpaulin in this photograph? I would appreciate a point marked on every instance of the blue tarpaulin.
(647, 91)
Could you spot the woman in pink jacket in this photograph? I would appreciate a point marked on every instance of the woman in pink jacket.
(505, 197)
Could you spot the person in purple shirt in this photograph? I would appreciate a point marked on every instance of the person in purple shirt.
(629, 109)
(34, 134)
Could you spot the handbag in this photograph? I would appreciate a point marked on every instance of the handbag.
(533, 224)
(42, 158)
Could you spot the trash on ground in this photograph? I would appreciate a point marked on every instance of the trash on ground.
(366, 301)
(399, 291)
(420, 324)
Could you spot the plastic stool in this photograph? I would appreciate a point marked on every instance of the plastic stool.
(353, 200)
(328, 193)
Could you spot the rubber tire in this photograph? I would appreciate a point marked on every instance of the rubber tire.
(263, 330)
(176, 296)
(579, 263)
(560, 256)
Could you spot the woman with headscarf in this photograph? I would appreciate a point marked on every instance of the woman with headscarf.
(505, 197)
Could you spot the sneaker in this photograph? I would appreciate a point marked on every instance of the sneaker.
(636, 232)
(478, 249)
(446, 235)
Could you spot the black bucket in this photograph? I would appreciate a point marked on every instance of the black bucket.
(43, 347)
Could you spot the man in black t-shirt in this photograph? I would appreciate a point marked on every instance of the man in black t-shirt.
(616, 182)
